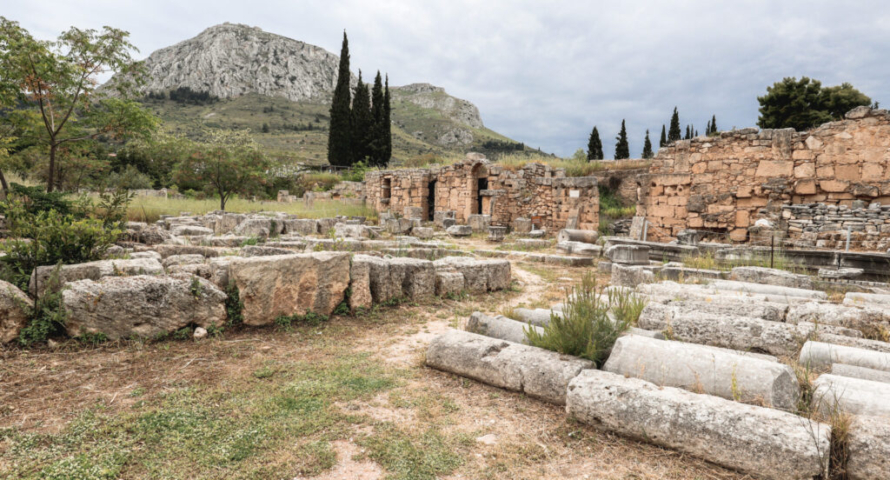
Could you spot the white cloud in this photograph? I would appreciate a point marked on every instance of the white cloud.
(546, 72)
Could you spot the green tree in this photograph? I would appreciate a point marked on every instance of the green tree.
(803, 104)
(388, 115)
(594, 146)
(647, 147)
(377, 141)
(362, 122)
(713, 126)
(265, 128)
(340, 131)
(663, 140)
(622, 149)
(229, 163)
(674, 131)
(60, 78)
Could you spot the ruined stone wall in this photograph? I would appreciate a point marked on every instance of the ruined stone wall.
(535, 191)
(623, 183)
(727, 182)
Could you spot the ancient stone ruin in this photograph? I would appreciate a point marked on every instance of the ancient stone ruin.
(541, 194)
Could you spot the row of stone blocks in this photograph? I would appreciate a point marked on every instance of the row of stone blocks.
(686, 397)
(134, 297)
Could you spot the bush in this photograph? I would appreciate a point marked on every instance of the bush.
(47, 318)
(585, 329)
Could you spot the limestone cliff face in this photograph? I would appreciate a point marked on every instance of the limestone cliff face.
(229, 60)
(429, 96)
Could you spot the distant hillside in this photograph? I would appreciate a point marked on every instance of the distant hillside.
(255, 78)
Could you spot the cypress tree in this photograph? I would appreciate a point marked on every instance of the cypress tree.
(674, 130)
(695, 134)
(663, 139)
(594, 146)
(361, 121)
(647, 146)
(708, 128)
(377, 136)
(387, 114)
(713, 124)
(622, 150)
(340, 133)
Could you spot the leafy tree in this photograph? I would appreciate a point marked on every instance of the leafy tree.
(229, 163)
(60, 78)
(362, 122)
(594, 146)
(340, 132)
(156, 157)
(674, 131)
(803, 104)
(663, 140)
(377, 142)
(647, 147)
(622, 149)
(387, 113)
(841, 99)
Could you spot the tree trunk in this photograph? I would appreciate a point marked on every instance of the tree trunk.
(52, 166)
(5, 186)
(222, 202)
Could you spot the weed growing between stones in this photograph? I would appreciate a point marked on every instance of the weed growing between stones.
(234, 306)
(627, 307)
(285, 322)
(250, 242)
(196, 288)
(585, 329)
(47, 317)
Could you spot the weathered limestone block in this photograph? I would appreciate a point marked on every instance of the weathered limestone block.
(287, 285)
(628, 254)
(522, 225)
(423, 233)
(771, 276)
(761, 441)
(704, 370)
(301, 226)
(868, 448)
(13, 316)
(630, 276)
(224, 241)
(189, 230)
(819, 355)
(175, 260)
(861, 373)
(255, 227)
(326, 224)
(353, 231)
(500, 327)
(152, 235)
(360, 283)
(857, 299)
(479, 223)
(93, 271)
(582, 236)
(399, 226)
(580, 248)
(400, 277)
(414, 212)
(263, 251)
(534, 371)
(747, 287)
(866, 318)
(851, 395)
(168, 250)
(774, 312)
(142, 305)
(440, 217)
(708, 293)
(449, 283)
(497, 234)
(480, 275)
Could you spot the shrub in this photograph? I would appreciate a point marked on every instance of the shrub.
(47, 318)
(585, 329)
(626, 306)
(234, 305)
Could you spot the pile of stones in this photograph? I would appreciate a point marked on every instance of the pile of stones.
(821, 225)
(710, 370)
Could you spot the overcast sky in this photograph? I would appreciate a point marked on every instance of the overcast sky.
(546, 72)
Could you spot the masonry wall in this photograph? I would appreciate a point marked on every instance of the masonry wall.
(536, 191)
(726, 183)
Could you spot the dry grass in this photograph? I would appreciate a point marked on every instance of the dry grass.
(149, 209)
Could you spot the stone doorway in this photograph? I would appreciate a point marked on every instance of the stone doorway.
(431, 200)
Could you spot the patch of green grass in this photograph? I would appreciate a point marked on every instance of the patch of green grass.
(150, 209)
(425, 455)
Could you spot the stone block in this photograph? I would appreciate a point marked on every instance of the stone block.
(479, 223)
(459, 230)
(628, 254)
(13, 314)
(500, 327)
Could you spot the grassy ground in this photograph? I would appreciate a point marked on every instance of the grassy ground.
(349, 398)
(149, 209)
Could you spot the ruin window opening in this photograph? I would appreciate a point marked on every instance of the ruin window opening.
(482, 184)
(431, 200)
(386, 188)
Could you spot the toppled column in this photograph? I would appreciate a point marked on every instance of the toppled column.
(772, 276)
(861, 373)
(833, 393)
(534, 371)
(704, 370)
(770, 290)
(628, 254)
(500, 327)
(868, 448)
(583, 236)
(765, 442)
(819, 355)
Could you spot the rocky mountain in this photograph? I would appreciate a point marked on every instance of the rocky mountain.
(246, 68)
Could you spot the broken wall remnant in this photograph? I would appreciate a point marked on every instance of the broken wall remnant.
(476, 186)
(726, 183)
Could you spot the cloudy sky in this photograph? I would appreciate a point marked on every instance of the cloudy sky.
(546, 72)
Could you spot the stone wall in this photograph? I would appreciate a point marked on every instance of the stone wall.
(623, 183)
(727, 182)
(538, 192)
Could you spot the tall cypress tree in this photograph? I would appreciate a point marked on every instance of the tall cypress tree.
(674, 131)
(361, 121)
(663, 140)
(713, 124)
(594, 146)
(340, 133)
(387, 114)
(687, 136)
(377, 136)
(622, 149)
(647, 147)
